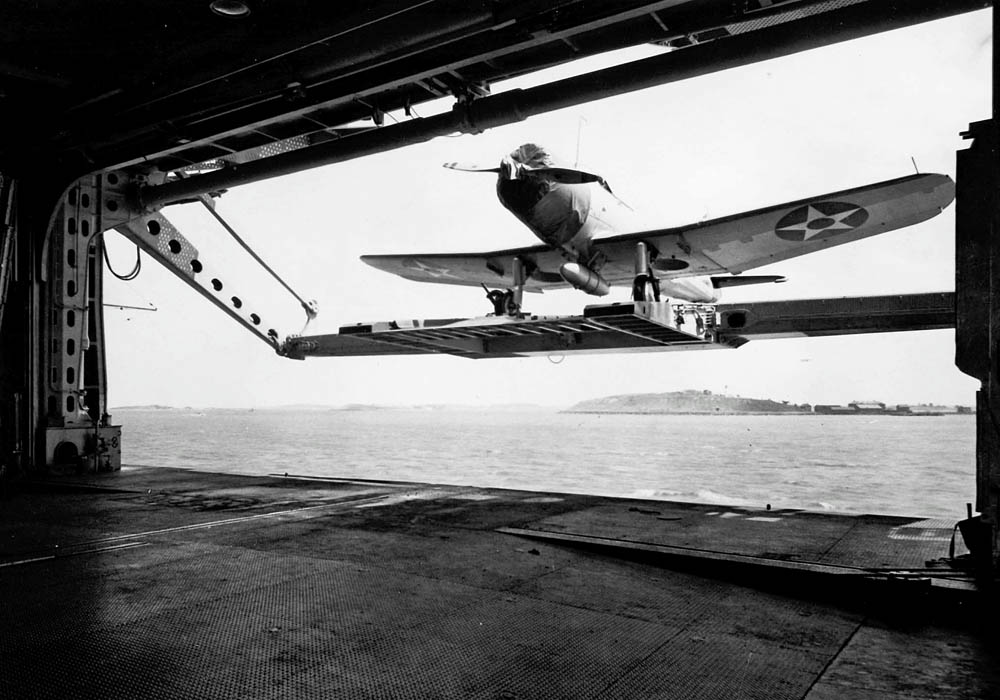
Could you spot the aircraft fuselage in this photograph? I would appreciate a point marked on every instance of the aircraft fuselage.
(570, 216)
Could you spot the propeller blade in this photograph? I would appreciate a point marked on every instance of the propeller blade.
(470, 168)
(570, 176)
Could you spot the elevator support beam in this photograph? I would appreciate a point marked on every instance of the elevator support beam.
(77, 434)
(53, 380)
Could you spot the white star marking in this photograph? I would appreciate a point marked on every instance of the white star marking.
(814, 214)
(431, 270)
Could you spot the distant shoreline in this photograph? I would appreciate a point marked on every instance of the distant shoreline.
(690, 413)
(533, 409)
(707, 403)
(763, 413)
(350, 408)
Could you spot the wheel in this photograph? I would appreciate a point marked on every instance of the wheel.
(510, 306)
(498, 299)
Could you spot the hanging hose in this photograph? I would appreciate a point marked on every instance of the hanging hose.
(135, 269)
(308, 306)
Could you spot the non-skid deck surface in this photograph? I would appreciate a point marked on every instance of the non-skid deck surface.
(855, 541)
(158, 583)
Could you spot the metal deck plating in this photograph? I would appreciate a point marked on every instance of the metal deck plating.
(169, 583)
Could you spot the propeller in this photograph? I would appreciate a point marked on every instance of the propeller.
(572, 176)
(568, 176)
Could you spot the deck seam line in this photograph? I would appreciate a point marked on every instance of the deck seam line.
(571, 538)
(639, 662)
(218, 523)
(854, 524)
(833, 658)
(246, 518)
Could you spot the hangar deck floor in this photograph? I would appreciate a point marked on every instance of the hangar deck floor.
(155, 583)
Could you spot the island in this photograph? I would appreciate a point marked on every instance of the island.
(704, 402)
(690, 402)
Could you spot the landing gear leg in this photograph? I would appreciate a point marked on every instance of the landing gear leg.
(517, 294)
(645, 286)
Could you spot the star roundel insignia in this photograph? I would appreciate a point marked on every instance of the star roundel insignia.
(435, 271)
(820, 220)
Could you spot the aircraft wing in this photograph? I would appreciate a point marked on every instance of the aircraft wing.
(741, 242)
(494, 269)
(732, 244)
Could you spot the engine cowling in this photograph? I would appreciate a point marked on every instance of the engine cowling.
(584, 279)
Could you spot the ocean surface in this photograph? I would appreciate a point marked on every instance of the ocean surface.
(855, 464)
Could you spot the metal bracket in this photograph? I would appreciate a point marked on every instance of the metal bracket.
(163, 242)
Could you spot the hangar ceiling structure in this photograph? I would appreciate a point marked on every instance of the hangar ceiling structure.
(163, 85)
(140, 104)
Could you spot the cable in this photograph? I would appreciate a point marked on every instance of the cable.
(310, 307)
(135, 269)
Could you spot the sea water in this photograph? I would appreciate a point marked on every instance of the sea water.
(855, 464)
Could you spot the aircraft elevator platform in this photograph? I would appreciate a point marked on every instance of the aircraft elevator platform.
(635, 327)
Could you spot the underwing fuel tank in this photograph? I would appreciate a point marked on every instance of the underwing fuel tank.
(584, 279)
(698, 290)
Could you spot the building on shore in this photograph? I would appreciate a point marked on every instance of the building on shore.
(868, 408)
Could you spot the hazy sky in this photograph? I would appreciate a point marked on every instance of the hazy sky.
(817, 122)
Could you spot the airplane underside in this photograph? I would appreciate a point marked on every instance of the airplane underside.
(589, 242)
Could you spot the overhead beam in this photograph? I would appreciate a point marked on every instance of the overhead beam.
(516, 105)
